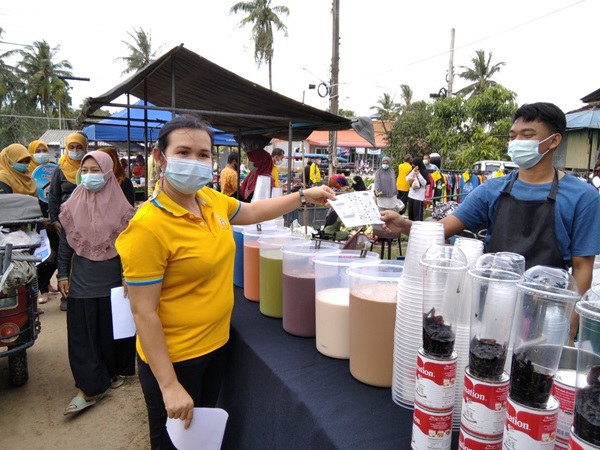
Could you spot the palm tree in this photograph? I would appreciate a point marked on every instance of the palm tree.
(263, 17)
(386, 109)
(10, 84)
(406, 94)
(42, 76)
(480, 74)
(140, 51)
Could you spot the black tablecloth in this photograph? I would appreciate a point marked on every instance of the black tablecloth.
(281, 393)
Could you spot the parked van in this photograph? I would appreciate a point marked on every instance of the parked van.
(493, 166)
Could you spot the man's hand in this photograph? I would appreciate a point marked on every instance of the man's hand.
(63, 288)
(395, 223)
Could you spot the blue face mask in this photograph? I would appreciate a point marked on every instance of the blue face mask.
(41, 158)
(385, 166)
(20, 167)
(187, 175)
(77, 155)
(526, 152)
(93, 181)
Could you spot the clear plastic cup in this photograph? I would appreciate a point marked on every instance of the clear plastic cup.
(332, 295)
(547, 296)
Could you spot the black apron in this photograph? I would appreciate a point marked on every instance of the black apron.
(527, 228)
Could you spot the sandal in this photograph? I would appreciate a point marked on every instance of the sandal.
(117, 382)
(79, 403)
(52, 289)
(43, 298)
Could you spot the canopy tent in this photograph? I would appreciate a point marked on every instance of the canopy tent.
(129, 124)
(183, 81)
(587, 117)
(345, 138)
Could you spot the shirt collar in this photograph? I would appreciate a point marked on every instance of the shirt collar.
(163, 201)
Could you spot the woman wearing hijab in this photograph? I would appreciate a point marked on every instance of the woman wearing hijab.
(64, 182)
(40, 155)
(254, 145)
(124, 182)
(15, 177)
(418, 179)
(88, 268)
(385, 185)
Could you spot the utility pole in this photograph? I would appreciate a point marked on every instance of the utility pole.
(451, 65)
(333, 85)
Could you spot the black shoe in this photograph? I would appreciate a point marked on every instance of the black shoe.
(63, 304)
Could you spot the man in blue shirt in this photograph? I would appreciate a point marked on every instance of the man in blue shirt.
(548, 216)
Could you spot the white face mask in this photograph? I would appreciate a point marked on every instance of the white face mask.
(526, 152)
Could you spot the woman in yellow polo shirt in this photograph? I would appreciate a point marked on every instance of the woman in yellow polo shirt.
(177, 256)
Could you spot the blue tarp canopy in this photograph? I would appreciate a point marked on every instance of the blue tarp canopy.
(114, 128)
(588, 118)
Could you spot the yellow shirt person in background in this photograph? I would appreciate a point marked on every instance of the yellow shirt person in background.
(277, 155)
(315, 173)
(229, 176)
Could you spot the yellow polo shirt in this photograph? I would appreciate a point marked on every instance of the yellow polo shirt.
(403, 170)
(275, 175)
(193, 258)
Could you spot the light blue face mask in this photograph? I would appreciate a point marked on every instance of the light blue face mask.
(93, 181)
(41, 158)
(526, 152)
(187, 175)
(385, 166)
(20, 167)
(77, 155)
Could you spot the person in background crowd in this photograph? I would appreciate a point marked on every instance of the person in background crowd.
(182, 295)
(88, 268)
(125, 167)
(254, 146)
(338, 181)
(544, 214)
(315, 173)
(277, 155)
(40, 155)
(427, 162)
(402, 185)
(385, 185)
(124, 182)
(139, 167)
(15, 177)
(436, 160)
(64, 182)
(229, 176)
(306, 180)
(418, 179)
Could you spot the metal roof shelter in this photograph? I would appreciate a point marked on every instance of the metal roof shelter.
(183, 81)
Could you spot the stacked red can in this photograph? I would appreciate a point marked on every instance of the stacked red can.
(530, 428)
(434, 402)
(563, 389)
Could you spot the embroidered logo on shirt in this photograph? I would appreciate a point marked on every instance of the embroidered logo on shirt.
(222, 221)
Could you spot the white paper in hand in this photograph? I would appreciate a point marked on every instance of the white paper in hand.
(205, 432)
(123, 324)
(356, 208)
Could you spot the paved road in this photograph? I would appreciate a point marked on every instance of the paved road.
(32, 415)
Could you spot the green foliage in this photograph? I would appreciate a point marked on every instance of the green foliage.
(346, 113)
(140, 51)
(409, 134)
(386, 109)
(479, 74)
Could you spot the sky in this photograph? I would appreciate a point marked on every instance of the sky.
(548, 46)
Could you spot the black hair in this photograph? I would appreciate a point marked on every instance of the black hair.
(192, 121)
(233, 156)
(422, 169)
(277, 152)
(359, 183)
(407, 158)
(547, 113)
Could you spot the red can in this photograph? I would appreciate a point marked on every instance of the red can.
(467, 441)
(431, 429)
(484, 406)
(563, 389)
(576, 443)
(530, 428)
(435, 382)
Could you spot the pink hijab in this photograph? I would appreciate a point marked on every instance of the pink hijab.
(93, 220)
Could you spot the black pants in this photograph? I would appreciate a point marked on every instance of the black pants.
(47, 269)
(415, 209)
(201, 377)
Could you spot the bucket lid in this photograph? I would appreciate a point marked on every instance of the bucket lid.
(343, 257)
(378, 270)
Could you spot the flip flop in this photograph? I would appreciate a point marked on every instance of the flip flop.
(117, 382)
(79, 403)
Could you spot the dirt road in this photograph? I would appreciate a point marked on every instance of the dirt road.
(32, 415)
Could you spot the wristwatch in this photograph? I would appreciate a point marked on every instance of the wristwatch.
(302, 197)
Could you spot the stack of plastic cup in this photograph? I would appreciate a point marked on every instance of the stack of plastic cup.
(473, 249)
(408, 331)
(262, 191)
(276, 192)
(332, 293)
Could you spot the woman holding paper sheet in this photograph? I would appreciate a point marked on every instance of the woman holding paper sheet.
(88, 268)
(182, 294)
